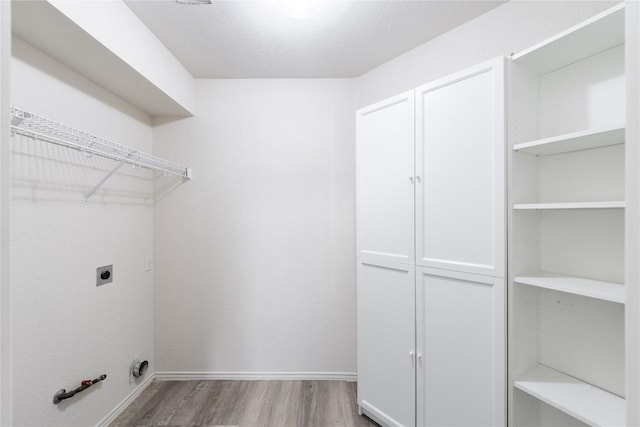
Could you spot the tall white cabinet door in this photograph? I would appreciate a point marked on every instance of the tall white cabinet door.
(460, 169)
(461, 350)
(385, 175)
(386, 343)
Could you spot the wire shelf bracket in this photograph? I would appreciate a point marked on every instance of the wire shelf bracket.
(40, 128)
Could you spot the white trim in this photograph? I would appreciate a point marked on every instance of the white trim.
(466, 267)
(377, 415)
(632, 215)
(372, 257)
(386, 264)
(389, 102)
(115, 412)
(273, 376)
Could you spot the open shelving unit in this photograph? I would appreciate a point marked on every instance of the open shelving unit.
(566, 248)
(41, 128)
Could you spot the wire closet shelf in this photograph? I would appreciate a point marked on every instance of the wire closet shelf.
(37, 127)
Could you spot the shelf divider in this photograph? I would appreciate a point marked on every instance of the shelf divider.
(574, 141)
(587, 403)
(607, 291)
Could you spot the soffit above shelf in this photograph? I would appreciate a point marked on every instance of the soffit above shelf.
(80, 43)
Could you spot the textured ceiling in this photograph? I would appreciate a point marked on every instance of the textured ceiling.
(253, 39)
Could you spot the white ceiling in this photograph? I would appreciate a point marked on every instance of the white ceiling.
(253, 39)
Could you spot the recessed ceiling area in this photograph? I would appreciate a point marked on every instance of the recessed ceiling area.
(254, 39)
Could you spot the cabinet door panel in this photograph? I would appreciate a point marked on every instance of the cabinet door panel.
(386, 340)
(460, 163)
(385, 170)
(461, 349)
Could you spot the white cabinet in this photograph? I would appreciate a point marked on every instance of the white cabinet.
(385, 248)
(430, 181)
(567, 222)
(386, 318)
(460, 167)
(384, 149)
(461, 349)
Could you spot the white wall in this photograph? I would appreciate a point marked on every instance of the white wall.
(255, 258)
(5, 306)
(65, 329)
(510, 28)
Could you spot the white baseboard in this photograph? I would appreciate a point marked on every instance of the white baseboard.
(111, 416)
(376, 415)
(273, 376)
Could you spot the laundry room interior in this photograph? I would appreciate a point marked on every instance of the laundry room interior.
(432, 206)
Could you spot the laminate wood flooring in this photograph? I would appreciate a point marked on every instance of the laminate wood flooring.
(245, 404)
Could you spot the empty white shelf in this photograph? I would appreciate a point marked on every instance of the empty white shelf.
(608, 291)
(575, 141)
(587, 403)
(595, 35)
(570, 205)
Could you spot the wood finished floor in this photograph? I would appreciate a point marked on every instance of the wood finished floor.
(245, 404)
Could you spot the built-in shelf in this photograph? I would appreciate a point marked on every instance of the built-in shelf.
(595, 35)
(568, 145)
(571, 205)
(587, 403)
(607, 291)
(575, 141)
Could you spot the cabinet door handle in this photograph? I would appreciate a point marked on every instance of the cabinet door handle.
(419, 358)
(412, 355)
(411, 179)
(418, 179)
